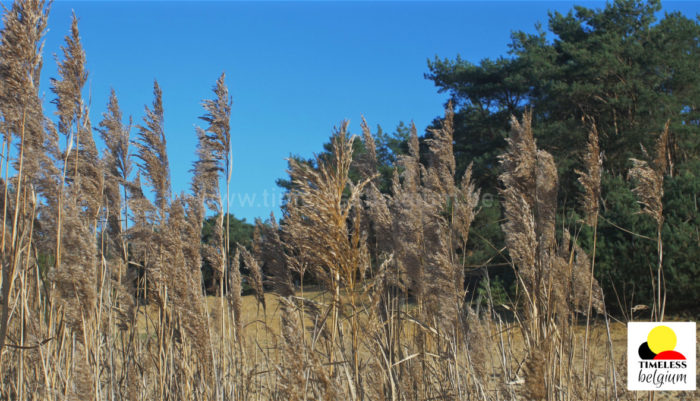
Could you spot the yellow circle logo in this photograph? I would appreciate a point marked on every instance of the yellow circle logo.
(660, 339)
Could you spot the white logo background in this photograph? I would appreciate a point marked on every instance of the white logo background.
(637, 333)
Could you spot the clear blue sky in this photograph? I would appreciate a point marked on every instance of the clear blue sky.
(294, 69)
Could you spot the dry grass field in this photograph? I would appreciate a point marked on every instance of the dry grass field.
(263, 330)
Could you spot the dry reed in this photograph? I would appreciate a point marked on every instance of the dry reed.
(102, 292)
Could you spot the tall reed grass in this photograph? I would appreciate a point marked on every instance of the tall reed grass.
(101, 288)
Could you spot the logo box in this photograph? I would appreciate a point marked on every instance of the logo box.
(661, 356)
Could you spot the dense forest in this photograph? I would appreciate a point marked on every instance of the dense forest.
(491, 258)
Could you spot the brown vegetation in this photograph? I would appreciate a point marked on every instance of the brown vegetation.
(102, 292)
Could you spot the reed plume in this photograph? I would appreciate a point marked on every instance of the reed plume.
(214, 158)
(441, 158)
(649, 189)
(118, 169)
(324, 222)
(256, 278)
(21, 44)
(82, 167)
(376, 204)
(184, 275)
(234, 293)
(269, 249)
(440, 194)
(465, 208)
(152, 152)
(205, 184)
(214, 151)
(528, 234)
(68, 88)
(148, 232)
(406, 208)
(590, 178)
